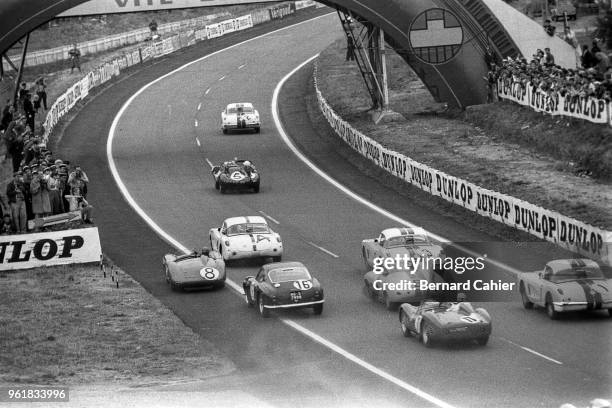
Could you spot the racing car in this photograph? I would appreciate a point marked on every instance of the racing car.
(566, 285)
(246, 237)
(238, 116)
(434, 321)
(236, 175)
(395, 285)
(283, 285)
(413, 242)
(196, 269)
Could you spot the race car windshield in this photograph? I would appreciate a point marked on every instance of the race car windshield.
(231, 170)
(575, 274)
(406, 240)
(244, 109)
(248, 228)
(288, 275)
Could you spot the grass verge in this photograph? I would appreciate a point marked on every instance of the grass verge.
(488, 145)
(70, 325)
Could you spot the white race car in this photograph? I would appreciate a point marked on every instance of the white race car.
(238, 116)
(246, 237)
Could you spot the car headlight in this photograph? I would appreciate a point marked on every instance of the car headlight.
(227, 243)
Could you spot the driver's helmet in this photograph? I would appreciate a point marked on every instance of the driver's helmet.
(205, 251)
(247, 164)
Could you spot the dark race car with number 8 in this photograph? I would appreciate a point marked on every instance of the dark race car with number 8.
(283, 285)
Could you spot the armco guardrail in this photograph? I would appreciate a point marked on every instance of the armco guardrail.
(566, 232)
(118, 40)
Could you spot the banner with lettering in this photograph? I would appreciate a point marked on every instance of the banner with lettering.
(26, 251)
(571, 234)
(590, 109)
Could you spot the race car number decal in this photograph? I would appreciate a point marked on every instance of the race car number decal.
(302, 284)
(209, 273)
(237, 176)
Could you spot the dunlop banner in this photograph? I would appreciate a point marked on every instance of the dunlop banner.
(49, 248)
(590, 109)
(566, 232)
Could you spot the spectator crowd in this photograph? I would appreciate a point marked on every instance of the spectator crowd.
(42, 184)
(594, 79)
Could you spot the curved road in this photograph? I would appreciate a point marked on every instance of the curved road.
(161, 145)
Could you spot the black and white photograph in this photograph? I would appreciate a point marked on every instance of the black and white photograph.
(280, 204)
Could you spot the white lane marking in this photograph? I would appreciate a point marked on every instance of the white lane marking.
(222, 78)
(349, 356)
(199, 105)
(196, 123)
(242, 66)
(527, 349)
(207, 91)
(209, 163)
(269, 217)
(320, 248)
(350, 193)
(198, 142)
(362, 200)
(171, 240)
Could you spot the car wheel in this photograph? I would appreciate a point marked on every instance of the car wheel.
(219, 285)
(526, 303)
(404, 324)
(318, 309)
(263, 311)
(225, 131)
(609, 312)
(222, 188)
(426, 332)
(277, 258)
(256, 188)
(166, 274)
(257, 130)
(388, 303)
(216, 185)
(482, 341)
(550, 308)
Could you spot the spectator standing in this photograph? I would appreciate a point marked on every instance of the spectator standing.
(15, 192)
(15, 143)
(7, 115)
(75, 58)
(41, 91)
(55, 198)
(21, 94)
(587, 58)
(86, 210)
(29, 111)
(77, 180)
(350, 49)
(41, 205)
(27, 179)
(549, 59)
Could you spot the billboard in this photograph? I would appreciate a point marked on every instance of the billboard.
(129, 6)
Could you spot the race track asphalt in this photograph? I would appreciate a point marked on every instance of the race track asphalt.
(164, 169)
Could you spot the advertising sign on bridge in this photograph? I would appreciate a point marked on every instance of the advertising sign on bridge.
(128, 6)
